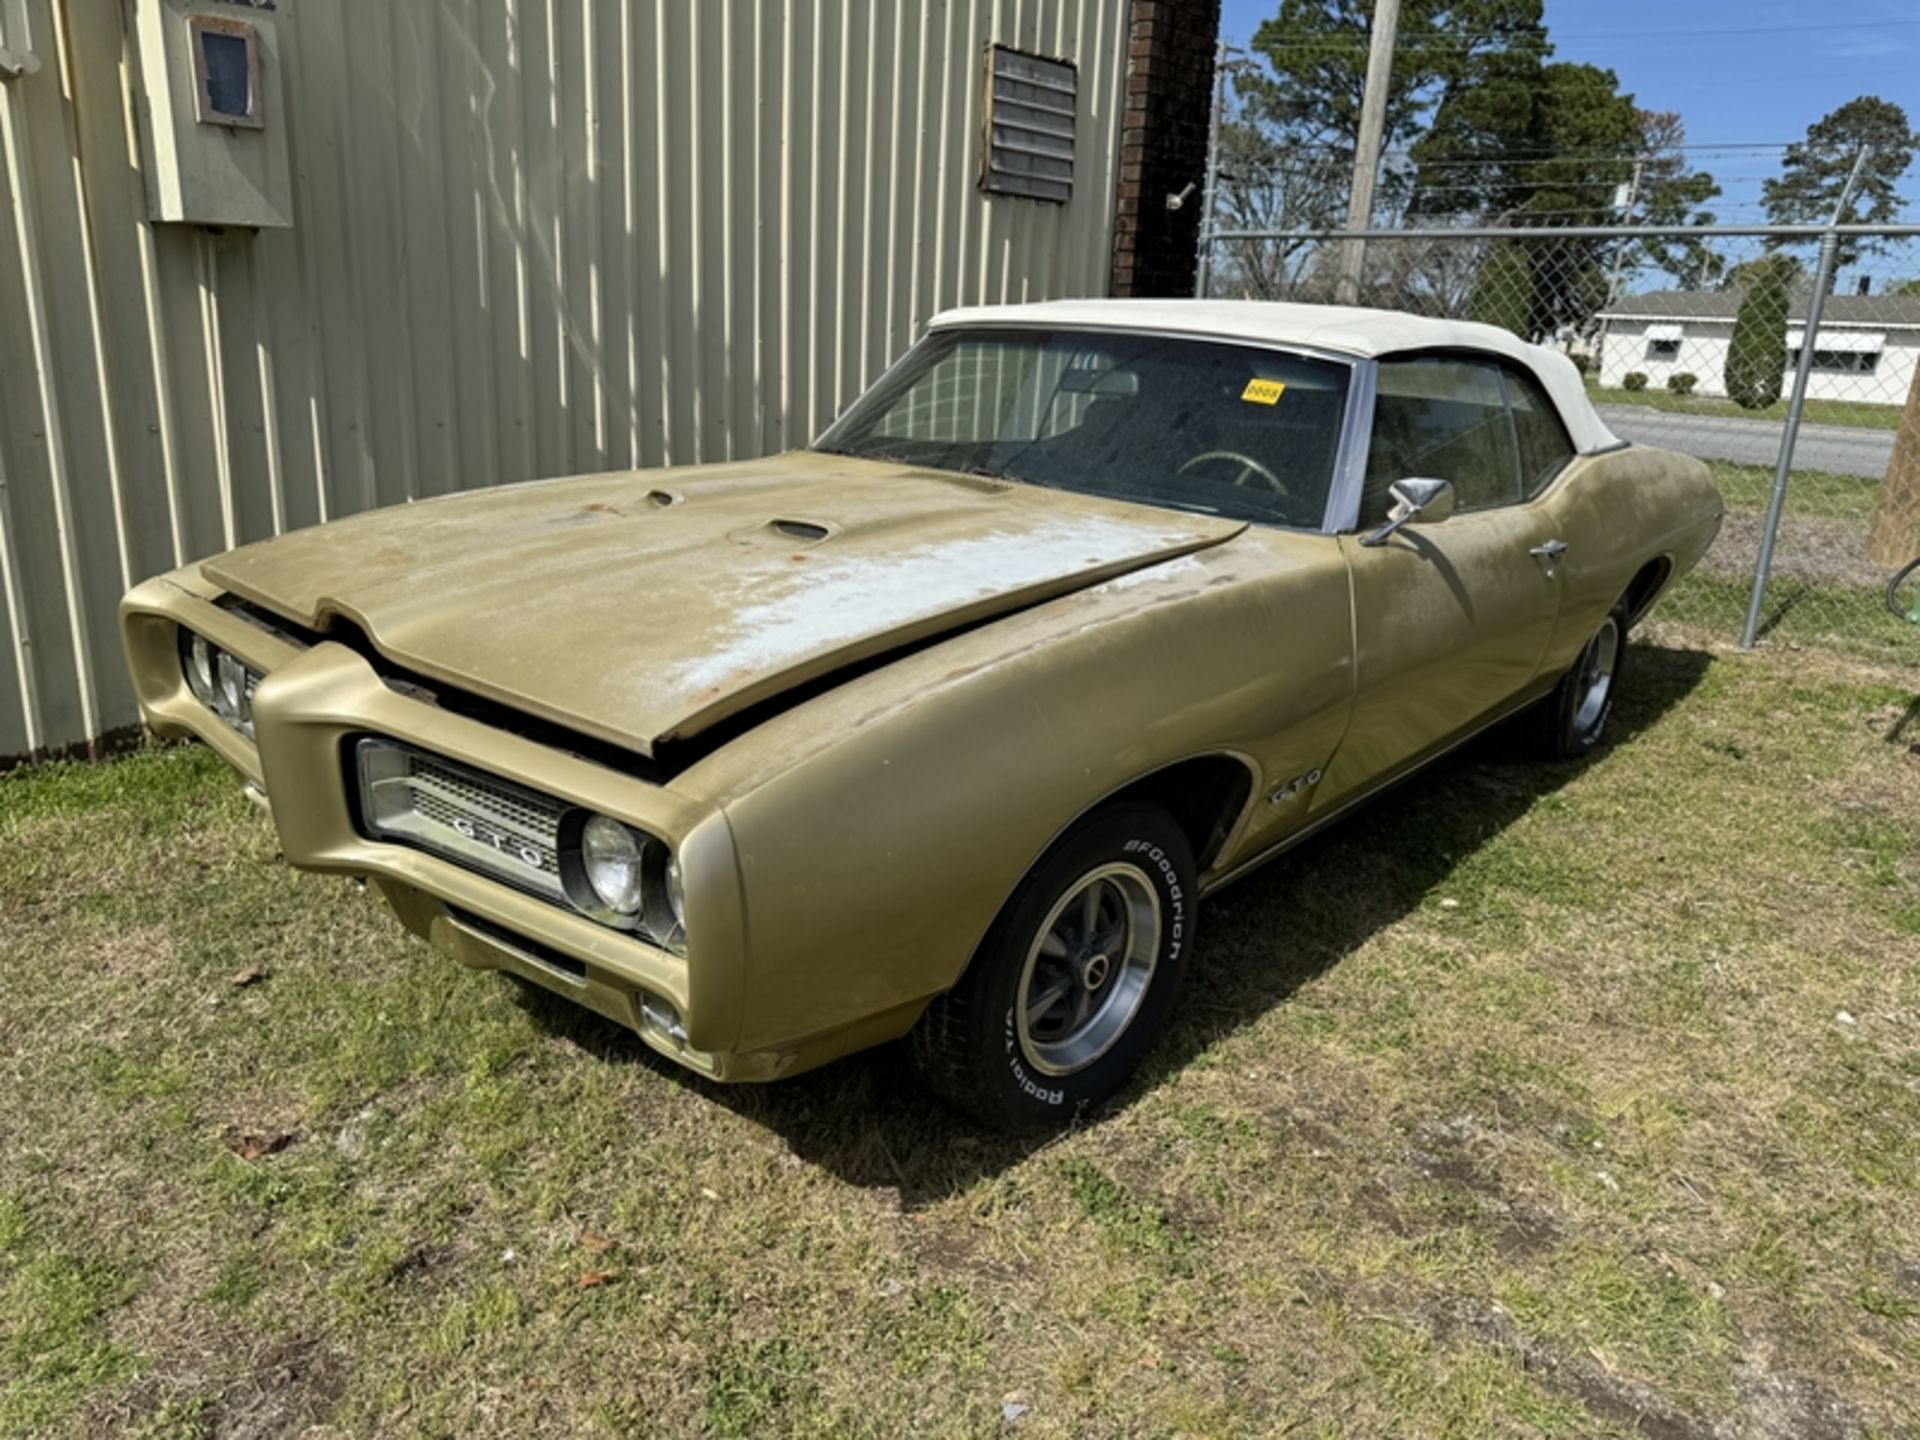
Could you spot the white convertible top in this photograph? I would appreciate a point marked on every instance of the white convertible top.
(1343, 329)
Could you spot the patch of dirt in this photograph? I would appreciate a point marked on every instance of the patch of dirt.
(1518, 1230)
(253, 1387)
(944, 1250)
(1816, 549)
(291, 1387)
(1608, 1395)
(1771, 1405)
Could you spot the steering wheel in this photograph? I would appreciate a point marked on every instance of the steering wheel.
(1249, 467)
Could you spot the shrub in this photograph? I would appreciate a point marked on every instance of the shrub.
(1634, 380)
(1757, 356)
(1582, 361)
(1683, 383)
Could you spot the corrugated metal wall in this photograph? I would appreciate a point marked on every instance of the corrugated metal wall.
(532, 237)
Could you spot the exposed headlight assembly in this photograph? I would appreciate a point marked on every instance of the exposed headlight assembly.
(221, 682)
(623, 876)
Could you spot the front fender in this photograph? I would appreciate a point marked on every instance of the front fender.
(873, 863)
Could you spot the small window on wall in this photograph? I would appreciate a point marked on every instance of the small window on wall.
(1030, 111)
(226, 72)
(1663, 349)
(1838, 362)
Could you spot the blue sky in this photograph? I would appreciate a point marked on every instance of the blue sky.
(1740, 72)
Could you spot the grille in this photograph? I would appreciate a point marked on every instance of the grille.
(473, 819)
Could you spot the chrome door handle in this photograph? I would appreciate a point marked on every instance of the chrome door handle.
(1552, 550)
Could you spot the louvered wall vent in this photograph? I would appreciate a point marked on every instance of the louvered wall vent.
(1030, 111)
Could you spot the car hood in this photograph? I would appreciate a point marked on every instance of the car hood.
(644, 607)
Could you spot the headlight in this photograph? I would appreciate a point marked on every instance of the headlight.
(219, 681)
(623, 877)
(611, 855)
(231, 699)
(199, 667)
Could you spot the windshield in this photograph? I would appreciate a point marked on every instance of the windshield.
(1229, 430)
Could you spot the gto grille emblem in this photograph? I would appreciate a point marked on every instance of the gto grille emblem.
(509, 845)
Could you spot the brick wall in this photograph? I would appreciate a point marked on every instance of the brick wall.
(1163, 144)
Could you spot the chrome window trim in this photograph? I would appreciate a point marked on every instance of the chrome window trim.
(1356, 366)
(1356, 439)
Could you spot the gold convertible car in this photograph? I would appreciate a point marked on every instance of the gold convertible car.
(942, 728)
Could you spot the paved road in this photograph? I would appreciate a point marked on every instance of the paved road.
(1838, 448)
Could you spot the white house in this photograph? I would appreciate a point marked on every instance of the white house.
(1865, 352)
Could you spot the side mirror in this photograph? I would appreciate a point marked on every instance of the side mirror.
(1415, 502)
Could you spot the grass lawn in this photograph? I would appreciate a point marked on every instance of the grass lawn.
(1818, 493)
(1857, 413)
(1538, 1099)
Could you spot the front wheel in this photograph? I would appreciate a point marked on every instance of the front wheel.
(1073, 983)
(1574, 717)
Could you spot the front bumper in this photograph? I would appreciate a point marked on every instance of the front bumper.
(314, 700)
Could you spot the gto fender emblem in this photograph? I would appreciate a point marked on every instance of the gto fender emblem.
(1293, 787)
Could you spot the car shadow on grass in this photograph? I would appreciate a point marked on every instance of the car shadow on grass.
(865, 1119)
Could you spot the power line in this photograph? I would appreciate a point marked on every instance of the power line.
(1462, 40)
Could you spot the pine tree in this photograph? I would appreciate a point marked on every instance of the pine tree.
(1814, 172)
(1757, 357)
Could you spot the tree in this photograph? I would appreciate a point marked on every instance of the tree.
(1503, 291)
(1815, 170)
(1792, 273)
(1757, 355)
(1671, 194)
(1308, 90)
(1542, 145)
(1894, 537)
(1266, 184)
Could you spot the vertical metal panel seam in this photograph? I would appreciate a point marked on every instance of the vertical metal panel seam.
(596, 290)
(630, 230)
(96, 326)
(269, 399)
(408, 406)
(211, 361)
(32, 723)
(12, 140)
(306, 264)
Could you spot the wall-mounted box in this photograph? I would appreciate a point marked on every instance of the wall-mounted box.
(213, 130)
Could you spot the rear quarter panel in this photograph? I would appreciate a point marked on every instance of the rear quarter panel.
(1618, 512)
(880, 827)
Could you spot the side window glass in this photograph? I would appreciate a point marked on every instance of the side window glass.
(1545, 449)
(1443, 419)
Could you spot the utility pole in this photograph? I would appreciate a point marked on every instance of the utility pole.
(1619, 258)
(1366, 152)
(1203, 274)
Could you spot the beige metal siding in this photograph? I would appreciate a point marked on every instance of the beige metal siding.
(531, 237)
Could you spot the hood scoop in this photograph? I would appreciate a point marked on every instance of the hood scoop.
(803, 532)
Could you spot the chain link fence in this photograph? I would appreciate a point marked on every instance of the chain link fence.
(1693, 340)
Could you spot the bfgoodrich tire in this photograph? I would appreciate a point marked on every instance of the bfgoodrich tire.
(1573, 719)
(1073, 984)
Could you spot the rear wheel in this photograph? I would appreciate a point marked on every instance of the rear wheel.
(1574, 718)
(1073, 984)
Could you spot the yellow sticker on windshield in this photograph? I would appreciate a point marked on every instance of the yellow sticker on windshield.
(1264, 392)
